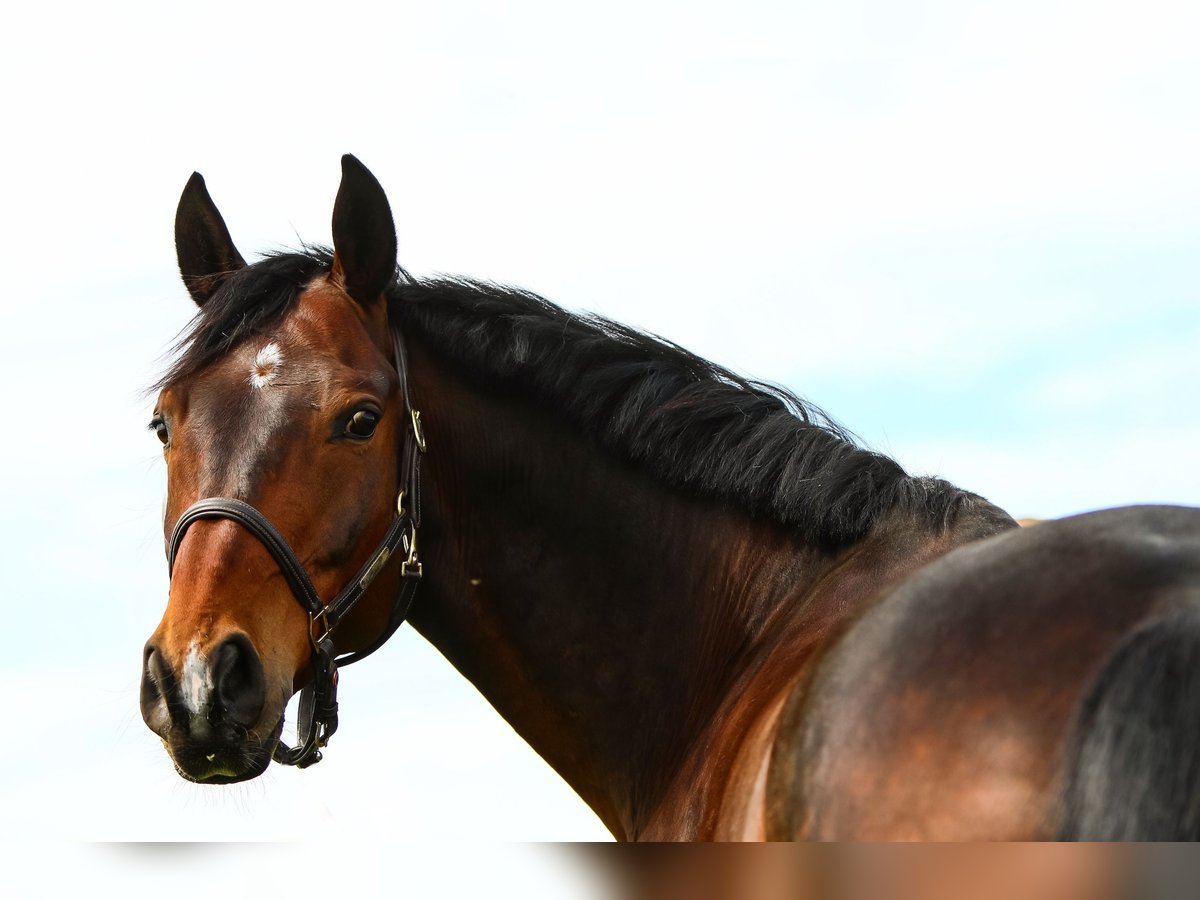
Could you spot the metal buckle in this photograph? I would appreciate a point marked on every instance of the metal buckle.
(411, 566)
(418, 433)
(314, 619)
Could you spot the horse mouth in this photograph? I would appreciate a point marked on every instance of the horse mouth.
(220, 772)
(205, 763)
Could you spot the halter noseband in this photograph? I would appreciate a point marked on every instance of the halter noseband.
(317, 719)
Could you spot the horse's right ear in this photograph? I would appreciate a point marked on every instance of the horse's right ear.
(202, 243)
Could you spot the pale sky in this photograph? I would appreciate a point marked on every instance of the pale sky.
(971, 232)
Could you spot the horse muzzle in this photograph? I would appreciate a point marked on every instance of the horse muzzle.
(207, 710)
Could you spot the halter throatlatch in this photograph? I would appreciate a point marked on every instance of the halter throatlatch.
(317, 718)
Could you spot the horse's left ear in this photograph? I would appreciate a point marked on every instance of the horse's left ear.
(364, 237)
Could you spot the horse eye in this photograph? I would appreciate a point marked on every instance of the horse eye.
(362, 423)
(160, 430)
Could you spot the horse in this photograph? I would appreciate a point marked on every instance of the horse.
(694, 595)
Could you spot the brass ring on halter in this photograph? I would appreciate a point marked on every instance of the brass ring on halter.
(415, 415)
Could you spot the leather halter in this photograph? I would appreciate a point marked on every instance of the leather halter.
(317, 719)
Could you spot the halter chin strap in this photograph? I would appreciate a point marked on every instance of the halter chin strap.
(318, 715)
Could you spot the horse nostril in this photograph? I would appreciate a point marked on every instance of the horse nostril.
(239, 680)
(155, 675)
(157, 683)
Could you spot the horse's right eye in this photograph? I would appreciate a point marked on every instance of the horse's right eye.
(159, 427)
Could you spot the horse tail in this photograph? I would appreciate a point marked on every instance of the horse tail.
(1133, 764)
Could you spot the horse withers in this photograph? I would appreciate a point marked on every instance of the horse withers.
(687, 591)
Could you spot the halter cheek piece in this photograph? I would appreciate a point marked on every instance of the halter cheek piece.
(317, 719)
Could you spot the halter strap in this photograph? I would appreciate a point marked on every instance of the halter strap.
(317, 716)
(325, 615)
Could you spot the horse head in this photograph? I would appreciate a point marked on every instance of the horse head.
(286, 399)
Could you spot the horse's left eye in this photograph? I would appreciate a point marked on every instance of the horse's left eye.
(362, 424)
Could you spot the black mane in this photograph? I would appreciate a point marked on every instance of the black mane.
(693, 424)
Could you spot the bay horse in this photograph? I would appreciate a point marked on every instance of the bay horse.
(694, 595)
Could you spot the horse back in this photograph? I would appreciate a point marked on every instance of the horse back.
(951, 709)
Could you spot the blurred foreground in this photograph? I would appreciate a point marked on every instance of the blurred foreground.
(897, 872)
(327, 866)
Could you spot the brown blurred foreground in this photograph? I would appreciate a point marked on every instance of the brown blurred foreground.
(896, 872)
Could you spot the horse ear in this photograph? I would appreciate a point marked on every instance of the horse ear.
(202, 243)
(364, 237)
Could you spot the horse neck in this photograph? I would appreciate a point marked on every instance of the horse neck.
(609, 619)
(579, 596)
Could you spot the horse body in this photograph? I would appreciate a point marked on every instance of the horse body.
(691, 594)
(975, 731)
